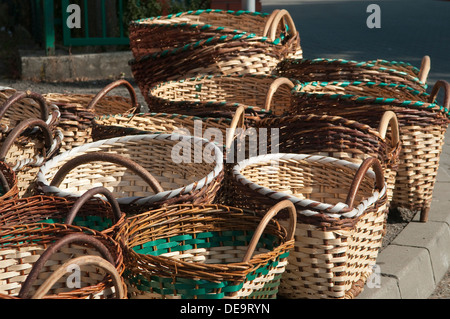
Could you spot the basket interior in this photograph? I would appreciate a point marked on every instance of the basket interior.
(174, 165)
(247, 90)
(323, 183)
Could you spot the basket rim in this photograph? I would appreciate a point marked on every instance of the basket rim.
(369, 64)
(44, 185)
(198, 12)
(297, 90)
(338, 210)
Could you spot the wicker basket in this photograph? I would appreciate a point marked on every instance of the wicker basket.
(219, 55)
(341, 218)
(338, 137)
(142, 171)
(220, 96)
(329, 70)
(422, 130)
(32, 253)
(205, 252)
(25, 156)
(17, 106)
(161, 33)
(78, 111)
(86, 211)
(8, 183)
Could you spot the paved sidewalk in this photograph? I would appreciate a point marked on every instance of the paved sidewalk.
(416, 261)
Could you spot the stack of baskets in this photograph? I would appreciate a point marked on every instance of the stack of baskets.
(196, 198)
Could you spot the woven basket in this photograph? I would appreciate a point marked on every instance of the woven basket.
(32, 253)
(422, 130)
(219, 55)
(338, 137)
(25, 156)
(142, 171)
(161, 33)
(220, 96)
(341, 218)
(17, 106)
(86, 211)
(329, 70)
(205, 252)
(8, 183)
(78, 111)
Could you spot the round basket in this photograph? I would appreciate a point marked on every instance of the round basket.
(205, 252)
(78, 111)
(17, 106)
(219, 55)
(341, 218)
(329, 70)
(32, 253)
(220, 96)
(161, 33)
(142, 171)
(86, 211)
(422, 128)
(25, 156)
(338, 137)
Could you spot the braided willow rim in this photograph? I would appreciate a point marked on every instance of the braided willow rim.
(205, 251)
(328, 70)
(219, 55)
(21, 247)
(338, 137)
(422, 130)
(186, 177)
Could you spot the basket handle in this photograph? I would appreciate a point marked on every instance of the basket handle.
(265, 220)
(81, 261)
(88, 195)
(22, 95)
(273, 88)
(19, 129)
(4, 182)
(424, 69)
(106, 157)
(269, 22)
(361, 172)
(110, 87)
(437, 86)
(390, 118)
(237, 121)
(284, 15)
(68, 239)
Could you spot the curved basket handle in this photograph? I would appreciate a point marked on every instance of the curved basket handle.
(4, 183)
(362, 170)
(19, 129)
(282, 14)
(437, 86)
(22, 95)
(68, 239)
(273, 88)
(112, 86)
(424, 69)
(106, 157)
(269, 22)
(81, 261)
(237, 121)
(390, 118)
(265, 220)
(87, 196)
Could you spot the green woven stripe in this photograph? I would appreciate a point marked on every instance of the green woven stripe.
(97, 223)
